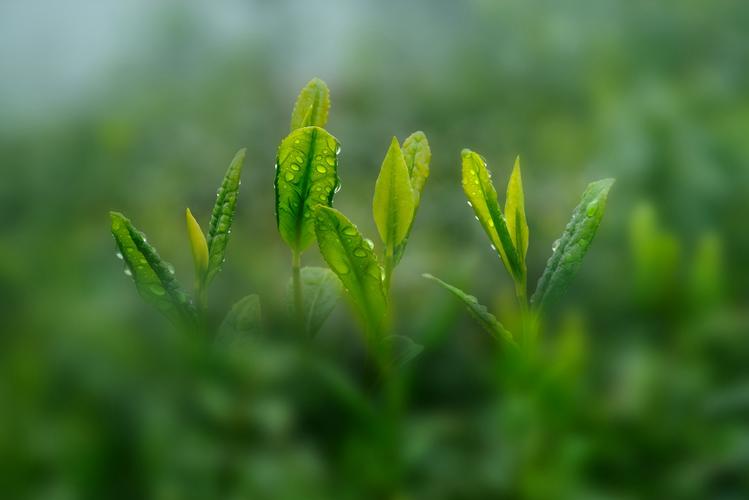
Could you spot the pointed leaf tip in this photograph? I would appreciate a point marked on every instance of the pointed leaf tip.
(312, 105)
(198, 245)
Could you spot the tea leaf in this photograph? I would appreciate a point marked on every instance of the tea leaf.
(222, 216)
(417, 154)
(403, 350)
(306, 176)
(393, 204)
(198, 246)
(312, 105)
(244, 318)
(321, 290)
(570, 249)
(517, 225)
(153, 277)
(482, 196)
(353, 261)
(479, 312)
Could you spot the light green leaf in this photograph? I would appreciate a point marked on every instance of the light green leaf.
(482, 197)
(355, 264)
(223, 215)
(479, 312)
(320, 291)
(569, 250)
(312, 105)
(244, 318)
(417, 155)
(517, 225)
(306, 176)
(393, 205)
(198, 246)
(153, 277)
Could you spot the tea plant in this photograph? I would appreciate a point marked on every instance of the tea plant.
(351, 256)
(307, 177)
(154, 277)
(508, 234)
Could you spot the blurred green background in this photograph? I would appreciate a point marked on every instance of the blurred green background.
(642, 387)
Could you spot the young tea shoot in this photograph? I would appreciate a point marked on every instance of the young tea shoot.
(154, 278)
(351, 256)
(508, 233)
(306, 177)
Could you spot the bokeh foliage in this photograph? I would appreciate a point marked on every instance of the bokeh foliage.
(642, 387)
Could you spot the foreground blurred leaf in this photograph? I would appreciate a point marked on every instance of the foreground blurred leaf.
(482, 196)
(243, 318)
(355, 264)
(403, 350)
(312, 105)
(569, 250)
(479, 312)
(223, 215)
(306, 176)
(320, 290)
(153, 277)
(393, 205)
(517, 225)
(417, 155)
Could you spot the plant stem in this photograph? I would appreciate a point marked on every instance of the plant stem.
(525, 314)
(296, 283)
(389, 265)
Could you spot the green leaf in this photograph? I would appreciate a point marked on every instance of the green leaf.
(312, 105)
(417, 155)
(479, 312)
(355, 264)
(320, 291)
(153, 277)
(403, 350)
(243, 319)
(482, 196)
(393, 205)
(517, 225)
(223, 215)
(306, 176)
(570, 249)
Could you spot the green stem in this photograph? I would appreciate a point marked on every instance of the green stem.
(389, 265)
(296, 279)
(526, 335)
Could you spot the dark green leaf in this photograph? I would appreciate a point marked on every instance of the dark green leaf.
(306, 176)
(479, 312)
(153, 277)
(355, 264)
(320, 291)
(243, 319)
(570, 249)
(223, 215)
(312, 105)
(403, 350)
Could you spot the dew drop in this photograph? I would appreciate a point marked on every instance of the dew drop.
(555, 245)
(470, 204)
(294, 167)
(289, 176)
(157, 290)
(592, 209)
(321, 169)
(330, 160)
(341, 268)
(128, 272)
(369, 243)
(349, 231)
(360, 252)
(119, 255)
